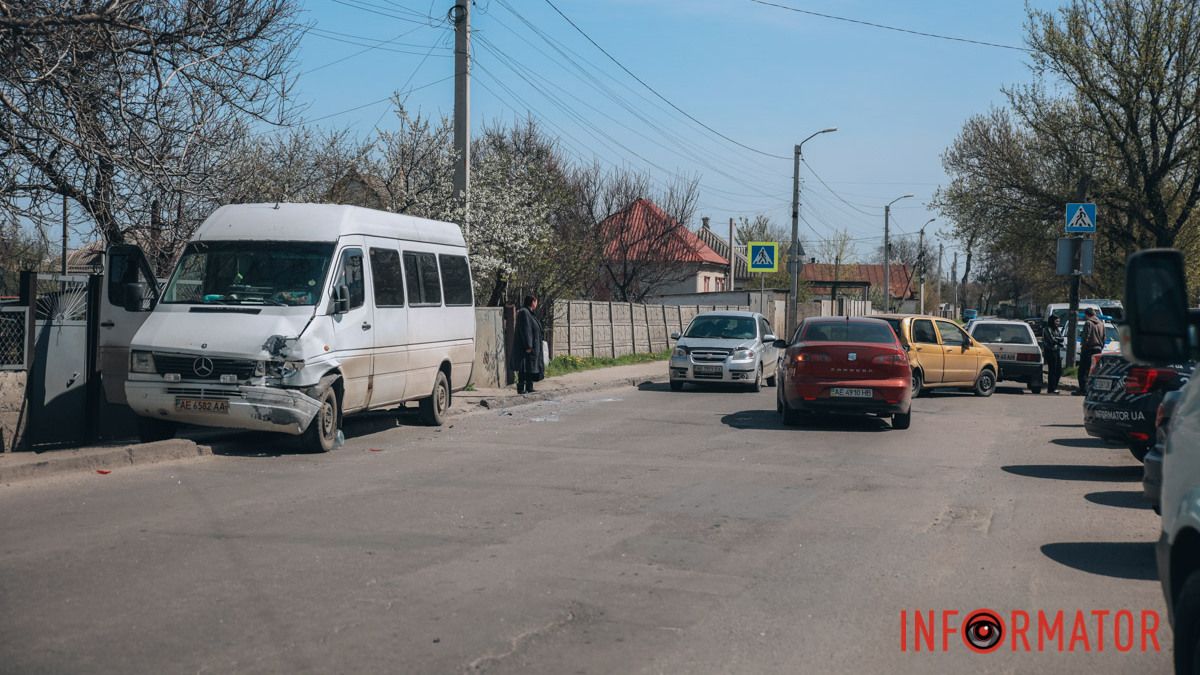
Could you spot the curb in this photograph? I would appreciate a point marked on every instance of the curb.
(549, 395)
(70, 461)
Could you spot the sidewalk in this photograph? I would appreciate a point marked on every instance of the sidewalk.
(19, 466)
(572, 383)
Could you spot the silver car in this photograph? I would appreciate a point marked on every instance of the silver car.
(724, 347)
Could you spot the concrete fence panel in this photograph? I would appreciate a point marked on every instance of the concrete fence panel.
(608, 329)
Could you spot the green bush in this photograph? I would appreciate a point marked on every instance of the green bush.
(561, 365)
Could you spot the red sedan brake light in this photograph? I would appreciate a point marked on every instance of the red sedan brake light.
(810, 357)
(897, 359)
(1141, 380)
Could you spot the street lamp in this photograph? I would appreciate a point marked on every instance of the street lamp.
(887, 255)
(795, 251)
(921, 260)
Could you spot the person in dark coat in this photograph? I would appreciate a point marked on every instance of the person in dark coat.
(1052, 342)
(526, 357)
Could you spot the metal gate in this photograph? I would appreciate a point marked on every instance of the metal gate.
(60, 393)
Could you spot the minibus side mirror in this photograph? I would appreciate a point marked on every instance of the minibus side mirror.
(341, 299)
(133, 298)
(1157, 322)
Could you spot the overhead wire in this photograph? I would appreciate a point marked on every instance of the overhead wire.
(654, 91)
(893, 28)
(514, 65)
(577, 69)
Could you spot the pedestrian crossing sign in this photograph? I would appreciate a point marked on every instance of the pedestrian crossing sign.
(762, 256)
(1081, 218)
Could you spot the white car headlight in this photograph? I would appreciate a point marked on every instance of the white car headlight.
(743, 354)
(680, 352)
(141, 362)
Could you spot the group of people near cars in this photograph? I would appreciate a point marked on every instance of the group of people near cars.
(1053, 341)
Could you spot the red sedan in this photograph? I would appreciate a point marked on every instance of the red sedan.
(844, 365)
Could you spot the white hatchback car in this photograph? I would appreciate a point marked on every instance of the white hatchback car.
(1016, 349)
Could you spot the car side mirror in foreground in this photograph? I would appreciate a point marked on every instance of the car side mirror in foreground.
(1156, 328)
(768, 338)
(780, 344)
(674, 335)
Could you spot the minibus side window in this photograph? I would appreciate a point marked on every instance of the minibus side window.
(387, 277)
(421, 277)
(351, 276)
(456, 277)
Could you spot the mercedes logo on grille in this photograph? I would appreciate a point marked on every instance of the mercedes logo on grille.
(203, 366)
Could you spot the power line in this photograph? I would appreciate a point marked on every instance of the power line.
(378, 45)
(893, 28)
(653, 90)
(374, 103)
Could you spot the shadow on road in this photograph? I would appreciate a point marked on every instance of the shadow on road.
(1077, 472)
(689, 388)
(1121, 560)
(769, 419)
(1082, 443)
(259, 444)
(1064, 426)
(1119, 499)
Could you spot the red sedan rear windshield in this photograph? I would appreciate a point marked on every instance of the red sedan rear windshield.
(848, 331)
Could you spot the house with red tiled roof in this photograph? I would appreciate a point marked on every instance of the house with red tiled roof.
(648, 252)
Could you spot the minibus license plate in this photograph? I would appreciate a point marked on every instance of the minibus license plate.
(201, 405)
(851, 392)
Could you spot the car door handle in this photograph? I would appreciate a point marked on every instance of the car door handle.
(366, 326)
(107, 324)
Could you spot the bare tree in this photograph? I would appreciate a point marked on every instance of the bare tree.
(127, 107)
(837, 247)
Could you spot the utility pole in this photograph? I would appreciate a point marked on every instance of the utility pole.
(954, 280)
(795, 252)
(887, 261)
(64, 233)
(887, 254)
(732, 253)
(461, 14)
(921, 265)
(939, 273)
(837, 267)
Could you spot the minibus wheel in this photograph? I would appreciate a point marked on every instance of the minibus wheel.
(433, 407)
(322, 431)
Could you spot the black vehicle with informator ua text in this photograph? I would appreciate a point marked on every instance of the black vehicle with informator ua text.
(1122, 400)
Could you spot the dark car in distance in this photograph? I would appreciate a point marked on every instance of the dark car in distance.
(850, 365)
(1122, 400)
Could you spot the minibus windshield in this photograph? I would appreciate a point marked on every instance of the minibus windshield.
(282, 273)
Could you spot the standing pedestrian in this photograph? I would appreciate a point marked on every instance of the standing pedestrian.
(526, 357)
(1052, 344)
(1091, 344)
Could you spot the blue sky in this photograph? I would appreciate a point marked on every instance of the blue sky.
(763, 76)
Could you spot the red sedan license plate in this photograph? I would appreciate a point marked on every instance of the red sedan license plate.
(201, 405)
(850, 392)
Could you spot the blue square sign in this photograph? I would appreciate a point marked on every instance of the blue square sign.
(762, 256)
(1081, 218)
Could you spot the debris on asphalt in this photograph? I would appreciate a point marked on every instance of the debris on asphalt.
(103, 472)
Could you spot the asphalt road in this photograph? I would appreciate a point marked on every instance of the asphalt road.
(627, 531)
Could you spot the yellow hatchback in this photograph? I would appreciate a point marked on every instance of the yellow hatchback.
(943, 354)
